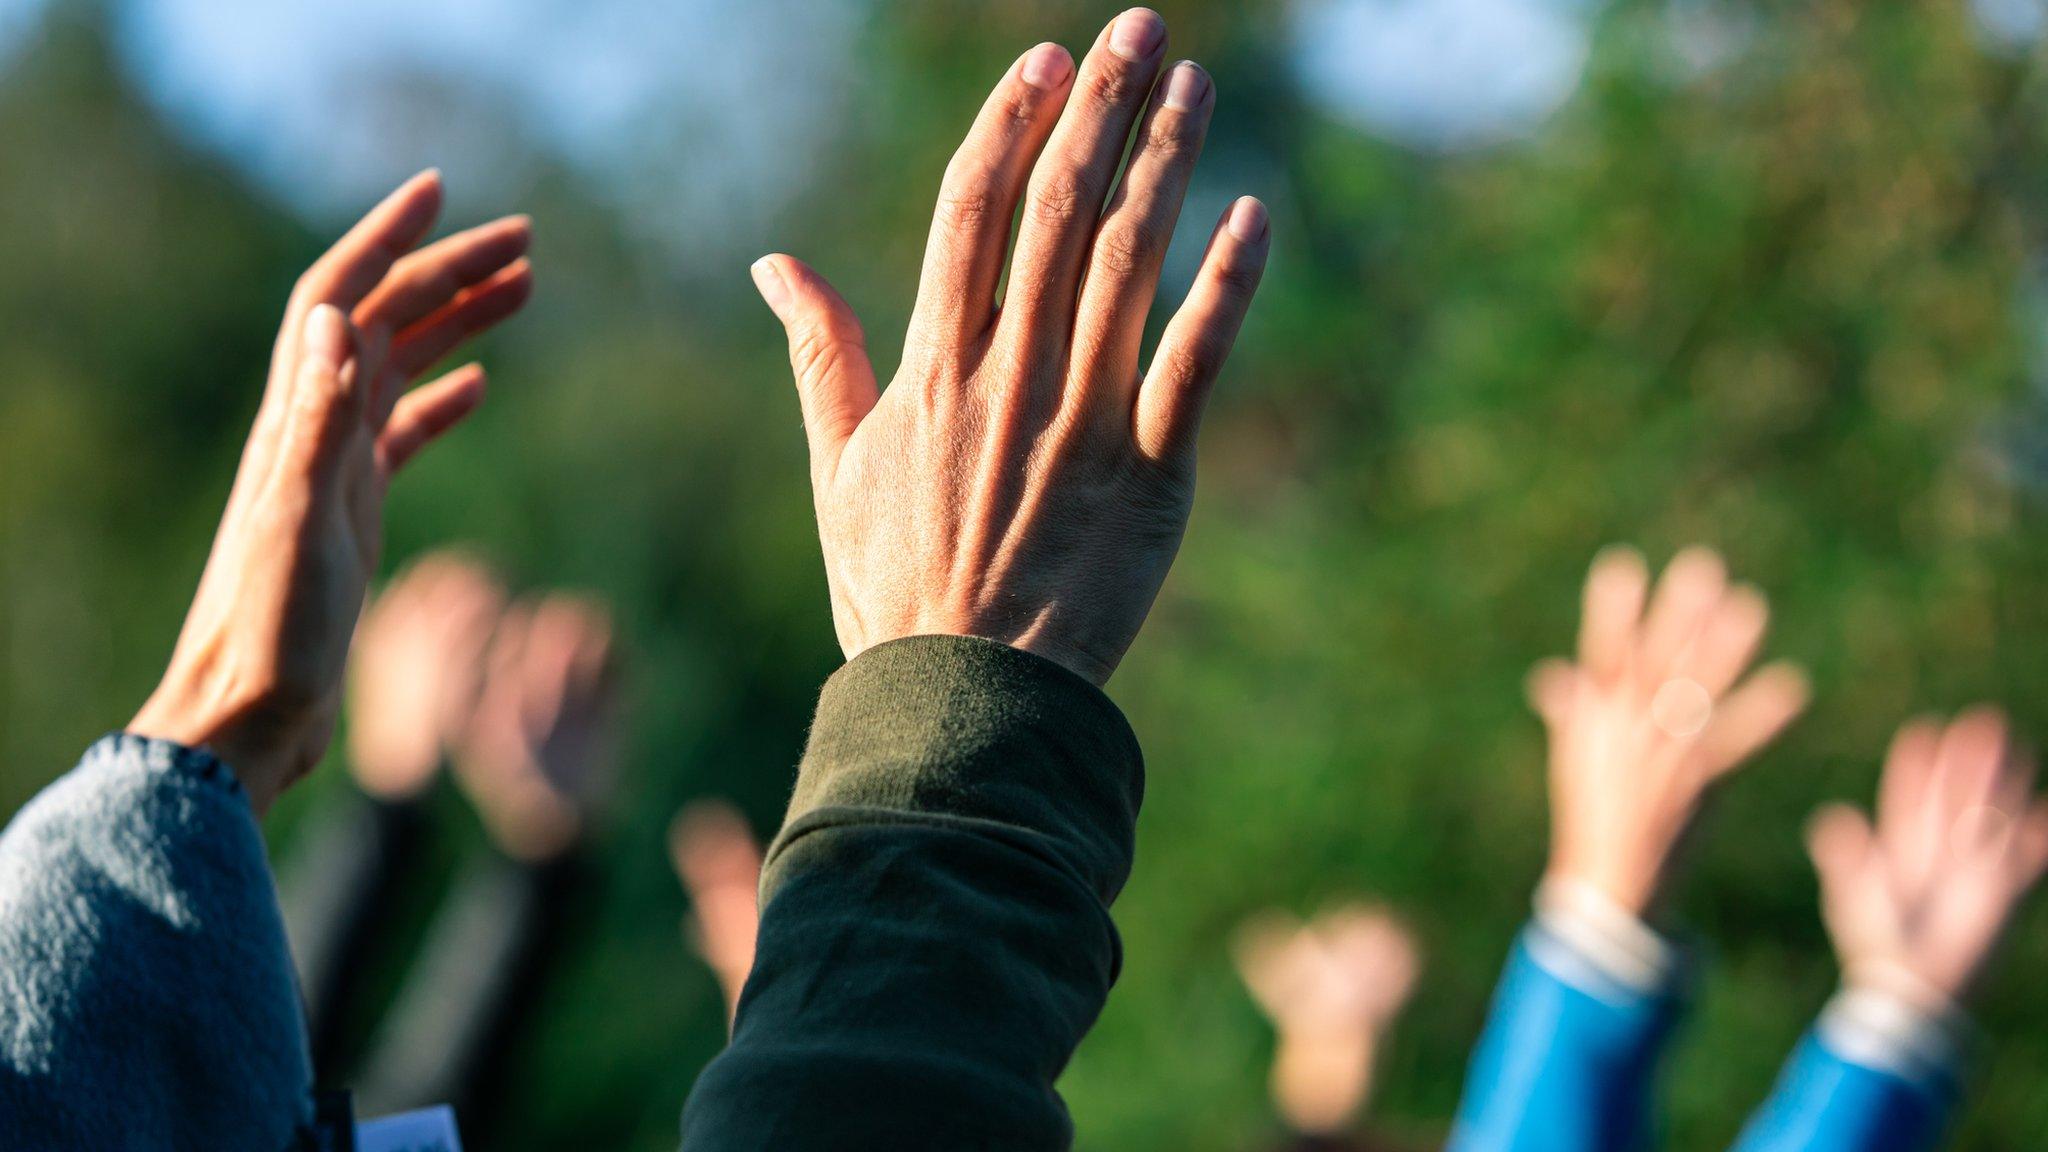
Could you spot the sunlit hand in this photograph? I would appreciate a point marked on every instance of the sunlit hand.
(1332, 988)
(1651, 715)
(257, 671)
(1021, 480)
(540, 747)
(1918, 902)
(415, 671)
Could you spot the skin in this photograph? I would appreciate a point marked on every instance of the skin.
(416, 671)
(256, 674)
(1332, 988)
(1653, 712)
(540, 746)
(1917, 901)
(718, 860)
(1022, 479)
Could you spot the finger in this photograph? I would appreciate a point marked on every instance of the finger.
(1198, 340)
(474, 310)
(1552, 686)
(1728, 641)
(1752, 716)
(1969, 761)
(359, 260)
(427, 280)
(1840, 840)
(1130, 245)
(835, 383)
(1613, 607)
(1908, 821)
(963, 260)
(426, 413)
(324, 406)
(1068, 185)
(2030, 847)
(1691, 586)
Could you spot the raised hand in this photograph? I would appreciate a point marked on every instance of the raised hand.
(1332, 988)
(1915, 904)
(1653, 712)
(718, 860)
(1021, 479)
(256, 674)
(416, 669)
(540, 746)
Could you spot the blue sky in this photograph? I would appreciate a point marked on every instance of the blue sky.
(679, 109)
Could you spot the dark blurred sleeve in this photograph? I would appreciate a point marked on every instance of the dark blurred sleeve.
(338, 891)
(935, 931)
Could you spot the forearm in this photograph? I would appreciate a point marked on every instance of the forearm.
(338, 892)
(935, 934)
(146, 993)
(1876, 1074)
(1568, 1058)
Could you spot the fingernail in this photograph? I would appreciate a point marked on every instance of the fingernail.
(1047, 67)
(769, 282)
(1137, 34)
(1186, 86)
(1247, 219)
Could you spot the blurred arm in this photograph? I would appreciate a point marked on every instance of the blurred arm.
(1876, 1074)
(145, 987)
(1583, 1013)
(338, 891)
(935, 931)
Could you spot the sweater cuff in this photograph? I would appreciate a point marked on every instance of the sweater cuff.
(1887, 1019)
(1590, 942)
(961, 728)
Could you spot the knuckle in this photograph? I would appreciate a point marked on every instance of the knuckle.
(1060, 200)
(968, 201)
(1239, 277)
(1169, 136)
(1125, 249)
(1112, 85)
(1190, 361)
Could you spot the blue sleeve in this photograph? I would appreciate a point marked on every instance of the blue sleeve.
(1567, 1059)
(1825, 1103)
(146, 992)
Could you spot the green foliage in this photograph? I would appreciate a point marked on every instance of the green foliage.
(1782, 306)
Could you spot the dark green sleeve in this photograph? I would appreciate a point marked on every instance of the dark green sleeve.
(935, 931)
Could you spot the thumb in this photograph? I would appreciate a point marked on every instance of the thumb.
(827, 350)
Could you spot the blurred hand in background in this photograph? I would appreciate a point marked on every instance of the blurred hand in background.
(539, 753)
(416, 670)
(256, 674)
(1332, 988)
(1653, 712)
(719, 862)
(1022, 479)
(1915, 903)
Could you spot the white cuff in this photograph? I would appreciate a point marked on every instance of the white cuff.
(1602, 936)
(1887, 1019)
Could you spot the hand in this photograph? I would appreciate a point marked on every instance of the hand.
(1332, 989)
(1918, 902)
(256, 674)
(541, 742)
(1651, 715)
(1019, 480)
(719, 862)
(416, 670)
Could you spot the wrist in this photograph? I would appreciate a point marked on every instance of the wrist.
(1632, 891)
(266, 748)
